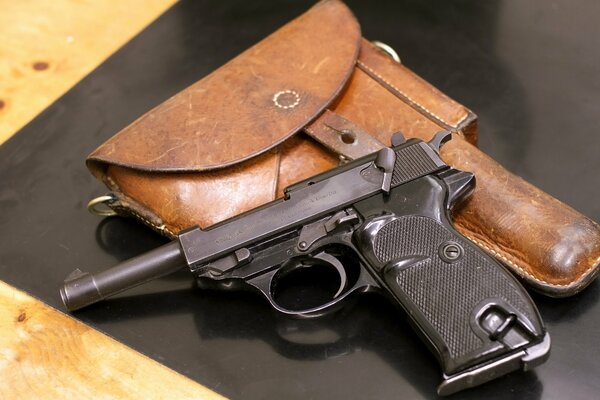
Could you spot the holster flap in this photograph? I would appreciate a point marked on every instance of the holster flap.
(251, 104)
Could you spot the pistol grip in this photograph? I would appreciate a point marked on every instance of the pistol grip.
(472, 313)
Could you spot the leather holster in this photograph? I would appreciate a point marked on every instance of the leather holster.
(309, 96)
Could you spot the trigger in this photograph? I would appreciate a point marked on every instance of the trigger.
(335, 263)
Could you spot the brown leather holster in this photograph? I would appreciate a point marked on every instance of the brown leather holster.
(309, 96)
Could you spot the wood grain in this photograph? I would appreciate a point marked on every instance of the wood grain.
(46, 47)
(47, 355)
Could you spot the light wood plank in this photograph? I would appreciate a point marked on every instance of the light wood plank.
(46, 47)
(45, 354)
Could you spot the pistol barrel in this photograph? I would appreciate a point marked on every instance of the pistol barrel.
(82, 289)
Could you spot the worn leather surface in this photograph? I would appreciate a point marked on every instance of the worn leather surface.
(550, 245)
(342, 136)
(152, 165)
(256, 101)
(177, 202)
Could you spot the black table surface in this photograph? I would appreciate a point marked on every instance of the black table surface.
(530, 70)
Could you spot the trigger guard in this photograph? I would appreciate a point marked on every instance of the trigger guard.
(314, 312)
(264, 284)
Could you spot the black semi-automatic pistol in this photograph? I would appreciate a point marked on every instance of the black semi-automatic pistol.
(380, 223)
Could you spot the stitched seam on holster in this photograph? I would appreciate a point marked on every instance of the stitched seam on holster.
(585, 275)
(406, 98)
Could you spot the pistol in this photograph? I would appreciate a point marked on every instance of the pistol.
(381, 223)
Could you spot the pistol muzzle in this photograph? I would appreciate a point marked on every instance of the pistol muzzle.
(82, 289)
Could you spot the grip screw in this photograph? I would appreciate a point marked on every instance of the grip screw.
(451, 252)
